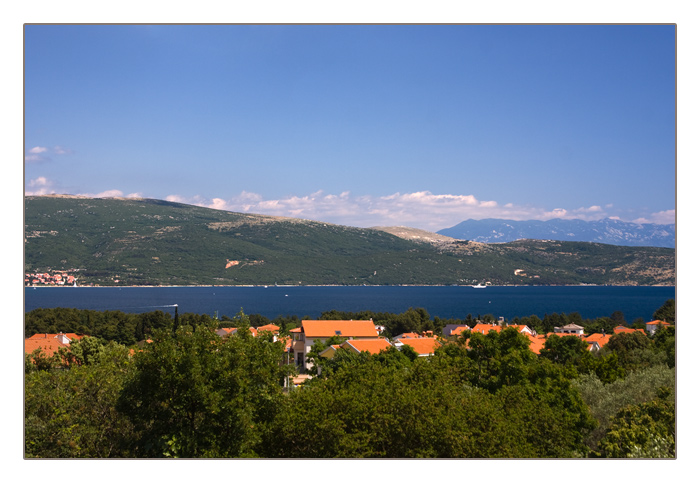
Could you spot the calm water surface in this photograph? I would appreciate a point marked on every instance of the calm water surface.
(444, 302)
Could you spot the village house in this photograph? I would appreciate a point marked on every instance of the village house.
(373, 346)
(570, 329)
(406, 335)
(485, 328)
(322, 330)
(596, 341)
(655, 325)
(458, 330)
(49, 343)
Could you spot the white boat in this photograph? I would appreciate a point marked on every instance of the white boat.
(479, 286)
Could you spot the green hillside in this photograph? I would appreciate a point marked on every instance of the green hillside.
(153, 242)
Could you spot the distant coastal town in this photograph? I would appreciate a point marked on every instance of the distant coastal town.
(56, 278)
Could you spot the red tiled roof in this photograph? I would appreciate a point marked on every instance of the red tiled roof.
(70, 335)
(73, 336)
(373, 346)
(270, 328)
(521, 328)
(626, 330)
(536, 342)
(422, 345)
(657, 322)
(486, 328)
(601, 339)
(233, 330)
(48, 346)
(342, 328)
(406, 335)
(459, 330)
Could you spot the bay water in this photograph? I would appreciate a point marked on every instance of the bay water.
(310, 301)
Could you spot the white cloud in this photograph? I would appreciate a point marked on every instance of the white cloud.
(62, 150)
(590, 209)
(38, 154)
(34, 158)
(38, 187)
(114, 193)
(421, 209)
(667, 217)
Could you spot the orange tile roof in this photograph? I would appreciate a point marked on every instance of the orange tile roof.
(601, 339)
(73, 336)
(233, 330)
(485, 328)
(406, 335)
(536, 342)
(657, 322)
(47, 346)
(270, 328)
(70, 335)
(373, 346)
(342, 328)
(626, 330)
(459, 330)
(422, 345)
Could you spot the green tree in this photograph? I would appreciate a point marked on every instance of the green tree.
(635, 350)
(70, 413)
(667, 312)
(646, 430)
(500, 358)
(606, 399)
(381, 409)
(618, 318)
(195, 394)
(665, 343)
(314, 358)
(86, 351)
(568, 349)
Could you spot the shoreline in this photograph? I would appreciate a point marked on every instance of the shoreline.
(329, 285)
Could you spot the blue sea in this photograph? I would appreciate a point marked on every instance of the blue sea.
(443, 301)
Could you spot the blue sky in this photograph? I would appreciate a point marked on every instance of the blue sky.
(415, 125)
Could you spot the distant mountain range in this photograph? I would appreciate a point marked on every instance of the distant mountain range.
(608, 231)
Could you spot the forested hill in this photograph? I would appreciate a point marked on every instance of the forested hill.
(153, 242)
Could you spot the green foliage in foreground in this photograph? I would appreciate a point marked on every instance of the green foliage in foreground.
(196, 394)
(607, 400)
(494, 401)
(71, 413)
(190, 393)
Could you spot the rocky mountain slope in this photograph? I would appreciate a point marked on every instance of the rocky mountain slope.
(153, 242)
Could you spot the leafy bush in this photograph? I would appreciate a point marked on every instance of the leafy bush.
(606, 400)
